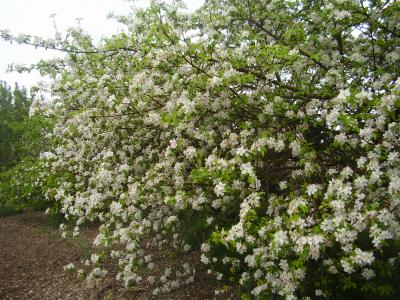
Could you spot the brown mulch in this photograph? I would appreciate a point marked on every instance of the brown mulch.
(32, 257)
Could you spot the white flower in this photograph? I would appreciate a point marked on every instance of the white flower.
(341, 138)
(219, 189)
(97, 272)
(361, 161)
(204, 259)
(366, 133)
(368, 274)
(241, 248)
(394, 185)
(171, 219)
(360, 182)
(189, 152)
(283, 185)
(69, 267)
(241, 151)
(332, 117)
(346, 266)
(205, 247)
(115, 208)
(80, 273)
(151, 280)
(378, 235)
(362, 258)
(76, 231)
(343, 94)
(280, 238)
(312, 189)
(393, 157)
(94, 258)
(357, 57)
(364, 95)
(215, 80)
(344, 191)
(173, 143)
(339, 15)
(346, 172)
(246, 169)
(296, 147)
(318, 293)
(332, 270)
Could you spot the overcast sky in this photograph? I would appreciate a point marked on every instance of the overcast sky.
(33, 17)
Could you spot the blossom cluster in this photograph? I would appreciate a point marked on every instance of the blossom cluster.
(265, 134)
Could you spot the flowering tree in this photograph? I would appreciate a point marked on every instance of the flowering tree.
(265, 133)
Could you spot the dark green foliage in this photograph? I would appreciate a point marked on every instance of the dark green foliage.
(21, 140)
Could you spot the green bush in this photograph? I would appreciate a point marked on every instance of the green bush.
(21, 140)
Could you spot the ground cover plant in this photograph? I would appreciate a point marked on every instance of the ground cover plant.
(263, 135)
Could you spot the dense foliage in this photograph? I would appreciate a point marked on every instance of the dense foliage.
(14, 108)
(21, 140)
(265, 133)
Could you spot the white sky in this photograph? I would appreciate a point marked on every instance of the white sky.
(33, 17)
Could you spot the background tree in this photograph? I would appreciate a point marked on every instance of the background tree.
(21, 140)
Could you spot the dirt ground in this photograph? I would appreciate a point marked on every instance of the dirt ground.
(32, 257)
